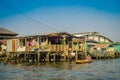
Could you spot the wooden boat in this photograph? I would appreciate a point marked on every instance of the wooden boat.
(83, 61)
(87, 59)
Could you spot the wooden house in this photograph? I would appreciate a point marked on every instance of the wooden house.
(47, 47)
(54, 42)
(4, 35)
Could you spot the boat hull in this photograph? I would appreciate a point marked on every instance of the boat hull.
(82, 61)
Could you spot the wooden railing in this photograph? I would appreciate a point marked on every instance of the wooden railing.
(48, 48)
(76, 48)
(55, 47)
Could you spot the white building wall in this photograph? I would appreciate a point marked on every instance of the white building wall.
(96, 38)
(101, 39)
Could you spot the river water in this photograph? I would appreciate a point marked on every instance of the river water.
(98, 70)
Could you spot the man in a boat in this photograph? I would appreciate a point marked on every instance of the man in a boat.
(88, 58)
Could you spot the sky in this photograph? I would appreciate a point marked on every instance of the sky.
(31, 17)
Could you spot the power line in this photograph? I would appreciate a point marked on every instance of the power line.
(28, 17)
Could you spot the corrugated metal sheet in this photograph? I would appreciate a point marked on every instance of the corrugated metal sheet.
(17, 44)
(12, 45)
(9, 45)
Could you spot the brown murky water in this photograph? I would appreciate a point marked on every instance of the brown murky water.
(98, 70)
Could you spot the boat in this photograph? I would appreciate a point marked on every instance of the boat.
(83, 61)
(87, 60)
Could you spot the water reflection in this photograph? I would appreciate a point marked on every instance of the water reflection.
(98, 70)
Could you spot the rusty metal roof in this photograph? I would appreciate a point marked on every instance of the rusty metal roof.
(4, 31)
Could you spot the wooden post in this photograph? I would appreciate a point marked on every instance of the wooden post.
(6, 59)
(76, 52)
(25, 49)
(97, 56)
(85, 50)
(54, 57)
(38, 56)
(72, 45)
(48, 56)
(76, 56)
(38, 46)
(64, 56)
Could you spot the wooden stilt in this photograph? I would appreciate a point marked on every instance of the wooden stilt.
(64, 57)
(68, 56)
(48, 56)
(54, 57)
(38, 57)
(76, 56)
(6, 59)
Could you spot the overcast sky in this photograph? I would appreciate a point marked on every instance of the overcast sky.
(26, 17)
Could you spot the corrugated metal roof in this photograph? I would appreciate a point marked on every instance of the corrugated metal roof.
(6, 31)
(100, 46)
